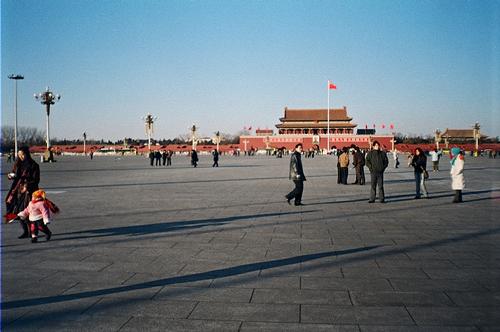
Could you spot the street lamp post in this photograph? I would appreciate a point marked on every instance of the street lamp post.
(149, 121)
(15, 78)
(84, 143)
(193, 135)
(217, 140)
(47, 98)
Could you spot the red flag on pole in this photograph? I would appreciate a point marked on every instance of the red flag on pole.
(332, 86)
(366, 126)
(383, 126)
(373, 126)
(391, 126)
(250, 128)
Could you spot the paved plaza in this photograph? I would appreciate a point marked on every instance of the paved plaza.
(140, 248)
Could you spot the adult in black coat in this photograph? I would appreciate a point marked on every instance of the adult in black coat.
(377, 162)
(419, 163)
(151, 157)
(216, 158)
(194, 158)
(297, 176)
(158, 158)
(25, 178)
(359, 166)
(164, 157)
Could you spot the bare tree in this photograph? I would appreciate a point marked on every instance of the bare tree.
(25, 136)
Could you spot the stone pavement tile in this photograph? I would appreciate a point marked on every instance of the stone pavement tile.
(110, 289)
(421, 263)
(206, 267)
(10, 315)
(274, 254)
(396, 272)
(422, 285)
(476, 316)
(478, 263)
(341, 284)
(324, 268)
(205, 294)
(158, 267)
(247, 312)
(492, 284)
(301, 296)
(395, 298)
(475, 299)
(355, 315)
(70, 265)
(173, 280)
(374, 328)
(254, 281)
(159, 324)
(35, 289)
(42, 321)
(91, 276)
(294, 327)
(463, 273)
(490, 328)
(129, 307)
(282, 271)
(418, 255)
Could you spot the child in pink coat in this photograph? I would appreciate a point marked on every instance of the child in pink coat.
(39, 212)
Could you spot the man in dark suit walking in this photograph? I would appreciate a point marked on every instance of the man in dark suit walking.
(297, 176)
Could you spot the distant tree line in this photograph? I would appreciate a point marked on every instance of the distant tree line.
(25, 136)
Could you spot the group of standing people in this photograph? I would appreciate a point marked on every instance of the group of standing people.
(156, 158)
(377, 162)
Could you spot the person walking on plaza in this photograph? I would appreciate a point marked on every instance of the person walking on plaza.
(396, 158)
(164, 157)
(457, 173)
(435, 155)
(359, 165)
(169, 157)
(25, 178)
(377, 162)
(194, 158)
(419, 163)
(344, 164)
(215, 153)
(39, 212)
(151, 158)
(296, 174)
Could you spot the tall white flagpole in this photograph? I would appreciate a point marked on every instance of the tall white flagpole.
(328, 119)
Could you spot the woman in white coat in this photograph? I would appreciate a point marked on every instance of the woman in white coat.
(457, 173)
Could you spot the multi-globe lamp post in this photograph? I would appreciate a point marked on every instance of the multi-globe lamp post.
(149, 121)
(15, 78)
(47, 98)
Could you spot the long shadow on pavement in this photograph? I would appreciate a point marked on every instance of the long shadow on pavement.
(157, 228)
(246, 268)
(214, 274)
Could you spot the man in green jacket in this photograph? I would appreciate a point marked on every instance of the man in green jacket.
(377, 162)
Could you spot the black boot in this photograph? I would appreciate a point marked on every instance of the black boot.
(456, 198)
(26, 232)
(460, 196)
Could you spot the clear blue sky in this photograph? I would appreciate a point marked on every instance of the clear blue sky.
(227, 64)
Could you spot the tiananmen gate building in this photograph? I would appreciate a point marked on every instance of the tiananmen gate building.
(310, 127)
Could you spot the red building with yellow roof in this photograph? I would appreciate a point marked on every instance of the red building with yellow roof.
(310, 127)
